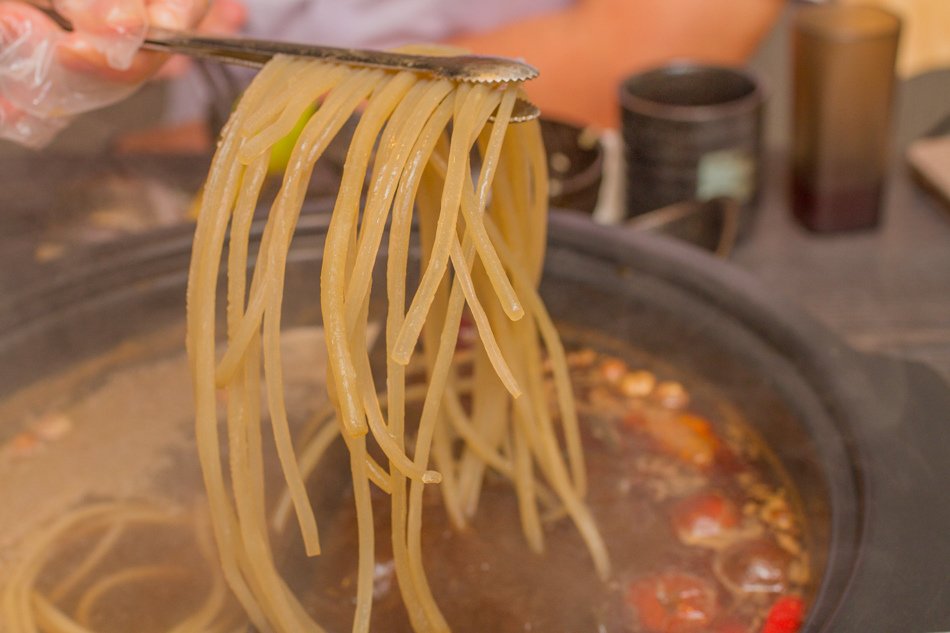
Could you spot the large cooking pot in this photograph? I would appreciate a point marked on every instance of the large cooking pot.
(865, 438)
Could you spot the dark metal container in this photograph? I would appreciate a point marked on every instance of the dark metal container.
(692, 132)
(575, 165)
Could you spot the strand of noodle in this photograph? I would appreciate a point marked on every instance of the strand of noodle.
(241, 221)
(392, 449)
(440, 365)
(534, 409)
(112, 515)
(459, 258)
(316, 446)
(398, 139)
(309, 458)
(233, 552)
(417, 594)
(367, 382)
(248, 484)
(312, 453)
(521, 185)
(461, 264)
(413, 393)
(510, 217)
(557, 355)
(530, 141)
(419, 601)
(273, 369)
(220, 170)
(438, 377)
(274, 381)
(16, 602)
(471, 99)
(523, 434)
(263, 577)
(316, 135)
(203, 618)
(379, 475)
(416, 598)
(89, 562)
(104, 585)
(364, 514)
(489, 424)
(265, 581)
(283, 606)
(209, 235)
(526, 181)
(243, 416)
(479, 445)
(51, 619)
(503, 208)
(248, 488)
(361, 275)
(317, 82)
(533, 196)
(549, 459)
(382, 434)
(247, 105)
(489, 413)
(442, 455)
(364, 507)
(269, 109)
(421, 100)
(524, 486)
(333, 275)
(338, 259)
(473, 212)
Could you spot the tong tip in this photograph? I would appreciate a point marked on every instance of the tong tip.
(485, 69)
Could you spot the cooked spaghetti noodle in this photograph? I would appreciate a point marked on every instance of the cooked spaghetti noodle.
(482, 243)
(30, 603)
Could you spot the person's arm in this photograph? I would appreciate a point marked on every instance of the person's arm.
(48, 75)
(584, 51)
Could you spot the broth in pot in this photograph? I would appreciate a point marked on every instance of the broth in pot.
(704, 530)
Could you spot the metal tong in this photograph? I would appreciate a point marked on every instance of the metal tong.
(255, 53)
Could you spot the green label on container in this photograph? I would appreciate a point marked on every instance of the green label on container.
(728, 172)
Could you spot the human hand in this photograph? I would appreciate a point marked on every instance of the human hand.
(48, 75)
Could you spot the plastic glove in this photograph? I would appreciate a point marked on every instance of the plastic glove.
(47, 75)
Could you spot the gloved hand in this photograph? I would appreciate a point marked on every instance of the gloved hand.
(48, 75)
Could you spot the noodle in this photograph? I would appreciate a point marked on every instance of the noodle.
(416, 138)
(27, 607)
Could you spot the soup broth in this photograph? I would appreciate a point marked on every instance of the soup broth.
(703, 527)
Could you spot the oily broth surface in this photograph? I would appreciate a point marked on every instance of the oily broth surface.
(485, 578)
(123, 429)
(129, 436)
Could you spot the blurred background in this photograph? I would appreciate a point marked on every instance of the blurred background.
(885, 288)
